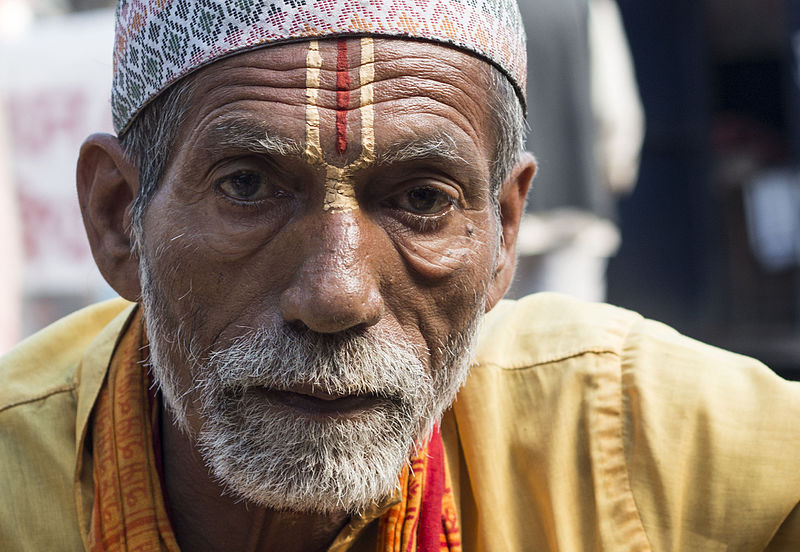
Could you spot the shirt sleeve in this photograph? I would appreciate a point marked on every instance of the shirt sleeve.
(712, 445)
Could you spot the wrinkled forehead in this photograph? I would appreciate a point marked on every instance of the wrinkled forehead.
(347, 102)
(345, 108)
(158, 42)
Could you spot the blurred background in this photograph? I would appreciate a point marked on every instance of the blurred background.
(667, 134)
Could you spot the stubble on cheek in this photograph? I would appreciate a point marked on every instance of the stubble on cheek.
(349, 464)
(173, 337)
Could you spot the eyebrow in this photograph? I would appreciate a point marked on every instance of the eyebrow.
(437, 146)
(252, 137)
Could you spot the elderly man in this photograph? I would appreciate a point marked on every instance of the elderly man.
(311, 205)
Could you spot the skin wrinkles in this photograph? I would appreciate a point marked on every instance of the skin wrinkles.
(430, 79)
(432, 70)
(408, 86)
(428, 74)
(248, 285)
(241, 69)
(437, 259)
(247, 262)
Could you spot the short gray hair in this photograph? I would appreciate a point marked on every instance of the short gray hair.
(509, 125)
(149, 143)
(150, 139)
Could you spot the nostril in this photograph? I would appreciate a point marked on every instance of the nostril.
(331, 309)
(297, 326)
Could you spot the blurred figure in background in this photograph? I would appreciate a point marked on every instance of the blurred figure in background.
(587, 129)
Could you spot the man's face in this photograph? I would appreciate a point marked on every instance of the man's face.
(316, 260)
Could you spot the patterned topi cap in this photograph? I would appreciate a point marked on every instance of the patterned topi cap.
(160, 41)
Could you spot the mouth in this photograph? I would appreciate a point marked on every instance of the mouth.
(315, 402)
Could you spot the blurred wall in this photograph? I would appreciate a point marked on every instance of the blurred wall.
(55, 80)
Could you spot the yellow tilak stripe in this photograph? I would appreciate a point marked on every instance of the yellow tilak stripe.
(340, 195)
(367, 80)
(314, 65)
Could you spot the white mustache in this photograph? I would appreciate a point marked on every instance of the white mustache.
(353, 363)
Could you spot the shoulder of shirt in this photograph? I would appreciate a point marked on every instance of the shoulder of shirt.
(47, 362)
(656, 424)
(48, 384)
(548, 327)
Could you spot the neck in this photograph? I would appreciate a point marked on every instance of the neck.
(205, 518)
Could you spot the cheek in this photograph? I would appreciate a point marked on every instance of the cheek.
(218, 230)
(458, 253)
(209, 257)
(207, 278)
(448, 277)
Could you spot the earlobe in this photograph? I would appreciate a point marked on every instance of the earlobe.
(512, 204)
(107, 186)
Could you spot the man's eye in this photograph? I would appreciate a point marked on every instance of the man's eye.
(424, 201)
(245, 187)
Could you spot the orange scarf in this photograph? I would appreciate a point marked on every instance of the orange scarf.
(129, 509)
(425, 519)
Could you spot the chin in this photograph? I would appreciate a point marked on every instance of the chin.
(274, 457)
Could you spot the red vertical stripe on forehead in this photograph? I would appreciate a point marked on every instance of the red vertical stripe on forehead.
(342, 95)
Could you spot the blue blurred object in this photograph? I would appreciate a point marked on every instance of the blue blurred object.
(772, 209)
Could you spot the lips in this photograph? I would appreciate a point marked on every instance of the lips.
(316, 402)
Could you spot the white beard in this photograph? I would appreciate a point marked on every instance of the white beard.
(271, 454)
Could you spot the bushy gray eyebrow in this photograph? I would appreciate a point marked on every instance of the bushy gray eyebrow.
(437, 146)
(250, 136)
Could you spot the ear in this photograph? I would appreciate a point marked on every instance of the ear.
(107, 186)
(512, 205)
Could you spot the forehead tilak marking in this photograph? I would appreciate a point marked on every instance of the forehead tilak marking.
(339, 190)
(342, 95)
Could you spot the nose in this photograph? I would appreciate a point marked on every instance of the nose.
(336, 287)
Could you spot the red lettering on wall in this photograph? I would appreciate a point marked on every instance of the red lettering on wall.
(39, 119)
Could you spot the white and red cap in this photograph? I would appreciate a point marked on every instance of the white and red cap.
(160, 41)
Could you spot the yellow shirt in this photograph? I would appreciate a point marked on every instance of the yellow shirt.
(581, 427)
